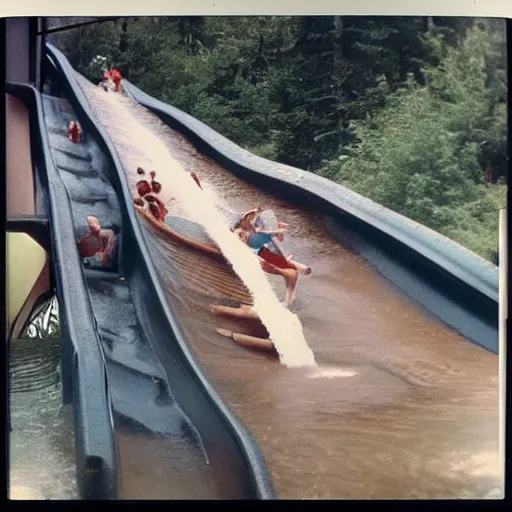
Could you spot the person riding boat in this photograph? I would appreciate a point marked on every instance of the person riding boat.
(111, 80)
(265, 242)
(156, 207)
(266, 245)
(143, 186)
(74, 132)
(107, 83)
(290, 275)
(116, 78)
(155, 185)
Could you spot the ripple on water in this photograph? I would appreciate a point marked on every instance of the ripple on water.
(41, 440)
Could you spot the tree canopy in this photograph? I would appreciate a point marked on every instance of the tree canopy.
(408, 111)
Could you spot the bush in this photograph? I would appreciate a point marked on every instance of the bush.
(422, 154)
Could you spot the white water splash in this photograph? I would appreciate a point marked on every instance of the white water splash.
(331, 373)
(124, 130)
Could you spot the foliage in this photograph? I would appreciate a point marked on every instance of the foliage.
(97, 66)
(422, 155)
(409, 111)
(46, 323)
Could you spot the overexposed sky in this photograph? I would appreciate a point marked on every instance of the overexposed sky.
(480, 8)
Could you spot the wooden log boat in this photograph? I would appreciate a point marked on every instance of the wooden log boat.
(197, 258)
(186, 232)
(244, 312)
(252, 342)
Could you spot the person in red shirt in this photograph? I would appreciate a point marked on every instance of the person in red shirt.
(74, 132)
(97, 241)
(116, 78)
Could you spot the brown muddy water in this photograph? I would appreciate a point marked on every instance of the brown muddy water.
(399, 407)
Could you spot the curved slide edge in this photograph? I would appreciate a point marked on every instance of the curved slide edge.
(260, 485)
(83, 366)
(443, 252)
(453, 269)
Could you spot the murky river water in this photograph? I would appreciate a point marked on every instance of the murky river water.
(412, 408)
(41, 443)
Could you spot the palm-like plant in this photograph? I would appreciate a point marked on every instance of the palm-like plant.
(46, 323)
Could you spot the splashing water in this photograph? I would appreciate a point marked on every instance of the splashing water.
(331, 373)
(283, 326)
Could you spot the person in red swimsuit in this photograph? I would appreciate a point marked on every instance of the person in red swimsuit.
(74, 132)
(116, 78)
(97, 241)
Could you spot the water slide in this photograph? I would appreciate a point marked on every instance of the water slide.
(148, 421)
(403, 323)
(458, 287)
(125, 365)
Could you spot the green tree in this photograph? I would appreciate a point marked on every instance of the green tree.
(421, 155)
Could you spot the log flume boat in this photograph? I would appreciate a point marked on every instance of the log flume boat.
(197, 258)
(202, 263)
(185, 232)
(245, 340)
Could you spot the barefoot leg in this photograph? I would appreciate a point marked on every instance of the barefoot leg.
(291, 278)
(301, 268)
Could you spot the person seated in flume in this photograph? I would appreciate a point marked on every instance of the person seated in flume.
(98, 241)
(266, 242)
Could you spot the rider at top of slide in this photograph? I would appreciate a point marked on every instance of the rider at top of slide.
(114, 75)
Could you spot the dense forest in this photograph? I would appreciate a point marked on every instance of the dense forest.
(408, 111)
